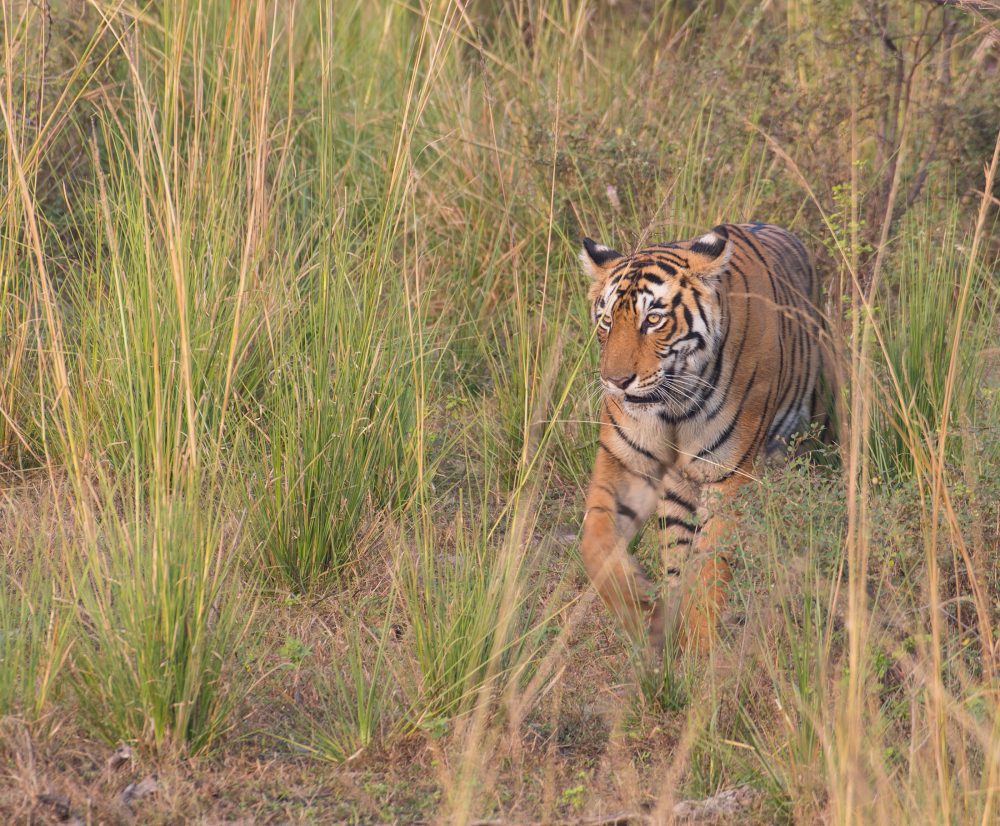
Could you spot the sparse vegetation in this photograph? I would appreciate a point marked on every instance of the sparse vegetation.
(297, 398)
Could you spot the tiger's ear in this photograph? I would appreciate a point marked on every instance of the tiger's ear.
(597, 260)
(710, 254)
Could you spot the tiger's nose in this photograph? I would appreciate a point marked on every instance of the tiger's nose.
(621, 382)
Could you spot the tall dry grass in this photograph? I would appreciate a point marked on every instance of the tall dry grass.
(292, 326)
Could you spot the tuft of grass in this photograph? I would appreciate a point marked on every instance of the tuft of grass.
(161, 622)
(918, 318)
(471, 611)
(160, 345)
(664, 686)
(356, 707)
(35, 637)
(341, 416)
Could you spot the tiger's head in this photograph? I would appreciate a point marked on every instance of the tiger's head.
(658, 319)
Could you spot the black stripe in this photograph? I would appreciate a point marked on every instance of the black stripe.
(761, 434)
(626, 511)
(778, 263)
(791, 387)
(652, 264)
(701, 309)
(754, 443)
(791, 406)
(621, 435)
(751, 244)
(673, 522)
(688, 337)
(680, 501)
(781, 333)
(668, 418)
(673, 257)
(710, 416)
(721, 439)
(725, 435)
(713, 385)
(673, 572)
(736, 363)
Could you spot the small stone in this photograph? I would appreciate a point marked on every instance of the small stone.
(725, 807)
(120, 757)
(58, 802)
(134, 792)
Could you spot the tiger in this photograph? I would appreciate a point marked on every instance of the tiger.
(709, 362)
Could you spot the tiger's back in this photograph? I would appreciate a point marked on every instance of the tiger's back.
(761, 390)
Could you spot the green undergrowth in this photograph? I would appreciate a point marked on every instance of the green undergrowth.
(299, 391)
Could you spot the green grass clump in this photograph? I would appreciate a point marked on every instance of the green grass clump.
(919, 322)
(35, 636)
(160, 625)
(356, 707)
(471, 609)
(664, 685)
(340, 429)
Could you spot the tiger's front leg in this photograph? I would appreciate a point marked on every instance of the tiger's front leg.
(679, 516)
(619, 501)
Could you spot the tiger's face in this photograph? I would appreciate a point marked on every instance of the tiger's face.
(658, 320)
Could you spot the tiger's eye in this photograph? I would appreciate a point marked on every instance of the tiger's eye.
(654, 318)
